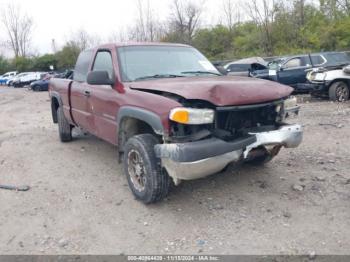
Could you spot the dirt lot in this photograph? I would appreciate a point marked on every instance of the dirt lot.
(79, 200)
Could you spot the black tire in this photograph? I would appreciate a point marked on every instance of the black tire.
(64, 128)
(154, 182)
(36, 88)
(339, 91)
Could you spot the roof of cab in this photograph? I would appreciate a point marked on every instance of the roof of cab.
(123, 44)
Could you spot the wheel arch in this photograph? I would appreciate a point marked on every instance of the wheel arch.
(55, 103)
(133, 121)
(346, 80)
(332, 94)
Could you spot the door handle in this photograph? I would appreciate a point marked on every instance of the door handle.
(86, 93)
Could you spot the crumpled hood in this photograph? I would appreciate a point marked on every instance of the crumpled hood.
(220, 91)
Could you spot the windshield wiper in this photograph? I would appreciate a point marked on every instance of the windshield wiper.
(158, 76)
(201, 72)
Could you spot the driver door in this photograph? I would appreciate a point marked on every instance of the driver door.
(104, 99)
(293, 71)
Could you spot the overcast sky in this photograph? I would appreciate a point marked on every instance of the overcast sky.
(60, 18)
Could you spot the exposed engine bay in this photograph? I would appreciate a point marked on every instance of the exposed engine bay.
(230, 122)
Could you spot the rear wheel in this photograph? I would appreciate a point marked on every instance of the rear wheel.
(339, 91)
(64, 128)
(146, 179)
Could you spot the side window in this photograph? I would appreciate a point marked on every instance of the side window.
(82, 66)
(317, 60)
(103, 62)
(294, 62)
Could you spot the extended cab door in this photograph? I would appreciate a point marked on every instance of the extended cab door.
(80, 92)
(104, 99)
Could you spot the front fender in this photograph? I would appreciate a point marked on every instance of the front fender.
(144, 115)
(56, 96)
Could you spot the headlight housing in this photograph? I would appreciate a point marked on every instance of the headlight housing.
(290, 102)
(290, 106)
(192, 116)
(310, 76)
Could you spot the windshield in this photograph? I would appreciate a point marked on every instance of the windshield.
(147, 62)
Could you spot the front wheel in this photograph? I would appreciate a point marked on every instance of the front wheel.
(146, 179)
(339, 91)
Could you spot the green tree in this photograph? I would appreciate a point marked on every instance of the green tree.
(43, 63)
(214, 42)
(23, 64)
(5, 66)
(246, 41)
(67, 57)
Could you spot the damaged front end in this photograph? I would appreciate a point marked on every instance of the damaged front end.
(204, 138)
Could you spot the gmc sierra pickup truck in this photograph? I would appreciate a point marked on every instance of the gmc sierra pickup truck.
(171, 114)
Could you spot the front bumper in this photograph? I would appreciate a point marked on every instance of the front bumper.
(192, 160)
(305, 87)
(314, 87)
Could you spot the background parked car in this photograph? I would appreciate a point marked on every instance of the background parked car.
(68, 74)
(333, 83)
(42, 84)
(28, 78)
(245, 67)
(14, 79)
(5, 77)
(292, 70)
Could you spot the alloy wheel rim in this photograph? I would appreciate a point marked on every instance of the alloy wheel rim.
(136, 170)
(342, 92)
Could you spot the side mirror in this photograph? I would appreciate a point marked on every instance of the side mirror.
(99, 78)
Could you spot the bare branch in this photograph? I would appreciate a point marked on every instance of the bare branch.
(262, 12)
(83, 40)
(185, 19)
(232, 13)
(147, 26)
(19, 29)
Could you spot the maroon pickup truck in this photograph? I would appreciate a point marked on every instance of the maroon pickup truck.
(171, 114)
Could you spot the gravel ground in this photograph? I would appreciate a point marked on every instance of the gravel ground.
(79, 202)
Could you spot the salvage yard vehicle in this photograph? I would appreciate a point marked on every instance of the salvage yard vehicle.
(27, 78)
(6, 77)
(245, 67)
(170, 113)
(43, 84)
(292, 70)
(40, 85)
(333, 83)
(15, 78)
